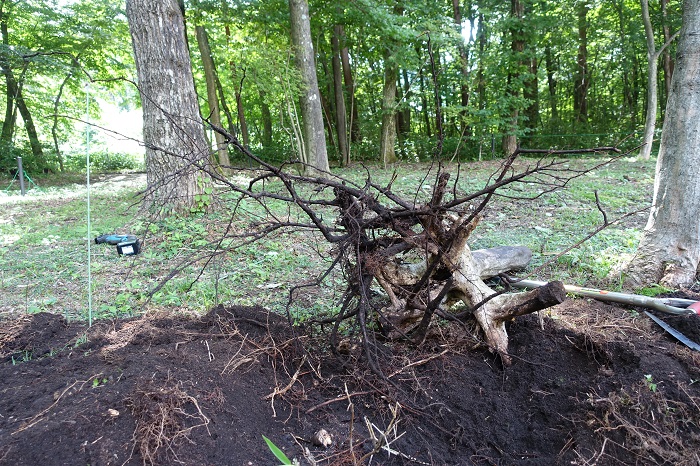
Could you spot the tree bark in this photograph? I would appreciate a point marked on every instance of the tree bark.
(463, 60)
(387, 151)
(652, 88)
(668, 61)
(551, 83)
(582, 80)
(15, 99)
(669, 250)
(266, 121)
(176, 145)
(652, 92)
(312, 115)
(510, 138)
(531, 94)
(480, 74)
(8, 124)
(355, 135)
(340, 112)
(212, 97)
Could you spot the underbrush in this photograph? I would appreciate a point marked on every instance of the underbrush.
(43, 243)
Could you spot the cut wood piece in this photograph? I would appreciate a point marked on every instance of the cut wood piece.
(468, 270)
(494, 261)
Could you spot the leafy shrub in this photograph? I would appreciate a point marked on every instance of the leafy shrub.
(30, 163)
(104, 161)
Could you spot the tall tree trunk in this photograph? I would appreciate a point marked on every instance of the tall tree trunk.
(238, 91)
(176, 145)
(328, 106)
(340, 112)
(582, 80)
(652, 90)
(424, 103)
(14, 98)
(669, 250)
(8, 124)
(355, 135)
(387, 152)
(551, 83)
(463, 60)
(314, 137)
(266, 120)
(510, 138)
(435, 72)
(480, 74)
(240, 108)
(668, 61)
(54, 126)
(212, 98)
(32, 135)
(404, 115)
(531, 94)
(652, 93)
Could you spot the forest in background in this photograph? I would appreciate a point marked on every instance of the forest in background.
(469, 78)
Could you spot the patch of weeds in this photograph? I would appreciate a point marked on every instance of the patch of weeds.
(649, 382)
(81, 340)
(120, 307)
(99, 382)
(654, 290)
(23, 356)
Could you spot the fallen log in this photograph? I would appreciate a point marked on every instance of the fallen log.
(468, 270)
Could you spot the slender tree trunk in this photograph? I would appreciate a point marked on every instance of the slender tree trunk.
(8, 124)
(463, 60)
(424, 104)
(340, 112)
(652, 75)
(652, 93)
(387, 141)
(355, 135)
(15, 99)
(212, 98)
(434, 72)
(314, 137)
(176, 145)
(669, 250)
(668, 61)
(480, 74)
(230, 122)
(510, 139)
(266, 120)
(238, 91)
(327, 99)
(531, 94)
(582, 80)
(54, 126)
(404, 115)
(551, 83)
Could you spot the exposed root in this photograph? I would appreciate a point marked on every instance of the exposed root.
(164, 417)
(67, 391)
(642, 422)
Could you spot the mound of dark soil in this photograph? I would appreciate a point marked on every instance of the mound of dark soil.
(591, 385)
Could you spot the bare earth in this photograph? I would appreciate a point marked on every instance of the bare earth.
(596, 384)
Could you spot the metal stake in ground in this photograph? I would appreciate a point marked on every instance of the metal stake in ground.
(20, 173)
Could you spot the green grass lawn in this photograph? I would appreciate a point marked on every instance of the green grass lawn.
(44, 241)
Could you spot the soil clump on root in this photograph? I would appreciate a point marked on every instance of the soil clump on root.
(589, 383)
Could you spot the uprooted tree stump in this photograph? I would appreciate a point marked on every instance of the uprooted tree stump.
(416, 251)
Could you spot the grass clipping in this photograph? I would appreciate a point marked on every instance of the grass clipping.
(164, 417)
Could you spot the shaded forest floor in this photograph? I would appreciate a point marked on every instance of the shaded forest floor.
(590, 384)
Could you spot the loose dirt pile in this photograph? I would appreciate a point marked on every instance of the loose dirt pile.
(589, 384)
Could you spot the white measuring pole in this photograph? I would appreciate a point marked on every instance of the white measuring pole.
(89, 226)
